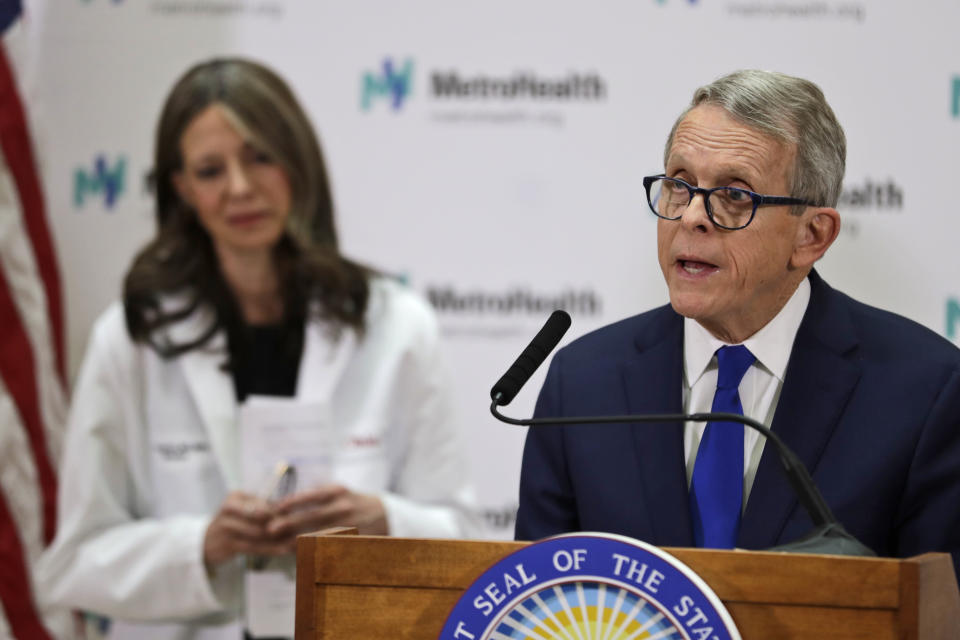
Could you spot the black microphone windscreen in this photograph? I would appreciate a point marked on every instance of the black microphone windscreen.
(532, 357)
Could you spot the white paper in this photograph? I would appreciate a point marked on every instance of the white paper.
(276, 432)
(284, 430)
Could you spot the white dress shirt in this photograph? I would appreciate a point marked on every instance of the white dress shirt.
(759, 389)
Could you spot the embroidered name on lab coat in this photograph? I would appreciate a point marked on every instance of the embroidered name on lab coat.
(178, 451)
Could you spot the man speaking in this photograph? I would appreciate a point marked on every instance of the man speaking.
(868, 400)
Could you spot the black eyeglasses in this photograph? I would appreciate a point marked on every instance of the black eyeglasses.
(727, 207)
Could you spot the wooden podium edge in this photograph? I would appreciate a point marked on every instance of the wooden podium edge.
(929, 598)
(921, 592)
(305, 608)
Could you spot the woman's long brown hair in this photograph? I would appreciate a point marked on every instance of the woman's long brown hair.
(180, 265)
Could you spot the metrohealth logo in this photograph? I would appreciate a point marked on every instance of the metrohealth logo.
(102, 180)
(589, 586)
(393, 82)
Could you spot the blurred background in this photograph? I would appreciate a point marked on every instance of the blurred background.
(491, 153)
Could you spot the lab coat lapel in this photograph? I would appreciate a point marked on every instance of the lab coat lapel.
(819, 380)
(653, 382)
(212, 390)
(326, 353)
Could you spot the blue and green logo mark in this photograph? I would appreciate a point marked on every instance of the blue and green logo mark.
(393, 82)
(953, 319)
(103, 180)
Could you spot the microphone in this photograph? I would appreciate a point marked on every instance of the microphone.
(532, 357)
(828, 535)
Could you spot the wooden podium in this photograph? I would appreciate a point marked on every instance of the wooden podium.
(353, 587)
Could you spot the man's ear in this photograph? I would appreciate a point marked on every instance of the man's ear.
(183, 189)
(818, 229)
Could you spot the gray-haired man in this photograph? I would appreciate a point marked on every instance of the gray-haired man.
(870, 401)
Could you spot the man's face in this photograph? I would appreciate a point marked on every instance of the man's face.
(731, 282)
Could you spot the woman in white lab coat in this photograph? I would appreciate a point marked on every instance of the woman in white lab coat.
(242, 293)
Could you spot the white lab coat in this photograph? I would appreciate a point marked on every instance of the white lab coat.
(152, 451)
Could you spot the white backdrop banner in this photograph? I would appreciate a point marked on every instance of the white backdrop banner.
(492, 153)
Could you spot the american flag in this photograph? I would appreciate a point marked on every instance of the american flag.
(32, 367)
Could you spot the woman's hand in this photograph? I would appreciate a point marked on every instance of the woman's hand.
(240, 526)
(327, 506)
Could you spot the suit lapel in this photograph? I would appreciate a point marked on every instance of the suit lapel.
(652, 383)
(819, 380)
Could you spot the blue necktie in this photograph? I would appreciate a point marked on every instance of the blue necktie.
(716, 490)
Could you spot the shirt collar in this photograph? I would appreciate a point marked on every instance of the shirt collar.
(771, 345)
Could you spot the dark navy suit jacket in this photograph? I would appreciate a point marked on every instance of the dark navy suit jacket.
(870, 403)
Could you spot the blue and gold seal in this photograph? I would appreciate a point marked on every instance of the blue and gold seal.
(589, 587)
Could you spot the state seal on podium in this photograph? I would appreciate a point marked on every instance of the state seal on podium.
(589, 586)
